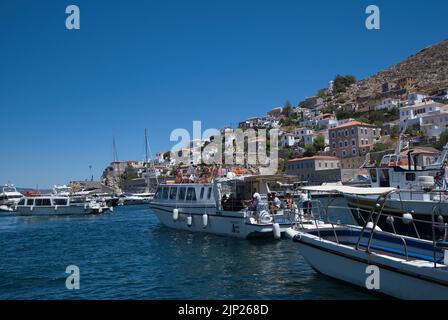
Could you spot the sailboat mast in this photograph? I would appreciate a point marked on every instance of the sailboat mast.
(148, 151)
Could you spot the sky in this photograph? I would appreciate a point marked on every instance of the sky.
(160, 65)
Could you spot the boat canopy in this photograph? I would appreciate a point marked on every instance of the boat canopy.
(349, 190)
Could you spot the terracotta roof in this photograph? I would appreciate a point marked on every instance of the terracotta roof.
(314, 158)
(354, 123)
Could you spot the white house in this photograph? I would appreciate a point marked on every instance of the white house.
(412, 114)
(435, 123)
(299, 133)
(387, 104)
(288, 140)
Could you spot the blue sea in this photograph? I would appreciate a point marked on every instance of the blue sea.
(127, 254)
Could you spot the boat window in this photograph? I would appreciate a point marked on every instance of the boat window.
(182, 193)
(30, 202)
(191, 194)
(38, 202)
(60, 202)
(21, 202)
(209, 194)
(384, 179)
(46, 202)
(173, 193)
(165, 193)
(410, 176)
(202, 193)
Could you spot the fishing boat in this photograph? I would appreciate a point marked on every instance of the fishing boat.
(9, 197)
(383, 262)
(53, 205)
(225, 206)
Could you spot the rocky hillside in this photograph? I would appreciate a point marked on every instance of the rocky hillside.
(428, 70)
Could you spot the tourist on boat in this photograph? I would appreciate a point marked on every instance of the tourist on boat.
(305, 203)
(289, 201)
(191, 172)
(276, 203)
(256, 199)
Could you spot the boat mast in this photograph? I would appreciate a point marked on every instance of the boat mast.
(147, 159)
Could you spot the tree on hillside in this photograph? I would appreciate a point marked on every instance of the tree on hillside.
(319, 143)
(442, 141)
(287, 109)
(341, 83)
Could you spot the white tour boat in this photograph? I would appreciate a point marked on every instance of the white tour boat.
(222, 207)
(53, 205)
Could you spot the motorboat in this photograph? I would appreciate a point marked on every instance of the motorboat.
(423, 192)
(383, 262)
(53, 205)
(9, 197)
(223, 206)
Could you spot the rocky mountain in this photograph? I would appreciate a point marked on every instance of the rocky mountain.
(425, 71)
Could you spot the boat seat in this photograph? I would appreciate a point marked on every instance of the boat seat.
(403, 253)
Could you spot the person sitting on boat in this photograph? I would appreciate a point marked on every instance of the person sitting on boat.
(191, 172)
(289, 202)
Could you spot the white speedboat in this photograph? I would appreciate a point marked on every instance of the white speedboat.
(136, 198)
(406, 268)
(52, 205)
(9, 197)
(388, 263)
(221, 207)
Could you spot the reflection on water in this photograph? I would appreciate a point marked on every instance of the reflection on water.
(127, 254)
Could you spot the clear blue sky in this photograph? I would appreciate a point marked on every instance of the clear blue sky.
(162, 64)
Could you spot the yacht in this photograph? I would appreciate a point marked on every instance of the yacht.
(53, 205)
(9, 197)
(222, 207)
(423, 193)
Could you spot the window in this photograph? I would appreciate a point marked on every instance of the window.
(182, 193)
(202, 193)
(38, 202)
(60, 202)
(410, 176)
(191, 194)
(346, 133)
(21, 202)
(320, 165)
(373, 176)
(165, 193)
(353, 142)
(333, 135)
(344, 153)
(334, 154)
(345, 143)
(326, 165)
(340, 144)
(354, 151)
(173, 193)
(30, 202)
(353, 131)
(209, 194)
(334, 145)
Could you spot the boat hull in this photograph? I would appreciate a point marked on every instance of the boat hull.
(60, 211)
(396, 278)
(219, 224)
(421, 210)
